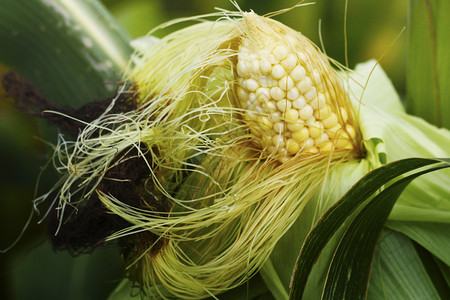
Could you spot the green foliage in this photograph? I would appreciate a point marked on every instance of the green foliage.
(73, 51)
(428, 68)
(350, 266)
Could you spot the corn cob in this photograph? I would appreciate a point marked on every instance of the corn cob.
(294, 104)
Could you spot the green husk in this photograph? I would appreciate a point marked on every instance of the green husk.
(388, 134)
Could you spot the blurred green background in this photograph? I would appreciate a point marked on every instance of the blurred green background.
(31, 270)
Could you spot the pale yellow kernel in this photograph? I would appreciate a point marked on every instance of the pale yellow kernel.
(306, 112)
(280, 52)
(334, 131)
(310, 121)
(275, 116)
(262, 81)
(293, 93)
(283, 159)
(318, 102)
(331, 121)
(284, 105)
(278, 141)
(303, 57)
(289, 62)
(254, 67)
(343, 142)
(301, 135)
(292, 146)
(249, 105)
(321, 140)
(251, 84)
(349, 146)
(291, 115)
(308, 144)
(265, 81)
(316, 77)
(304, 85)
(266, 67)
(278, 71)
(278, 127)
(252, 56)
(299, 102)
(262, 94)
(269, 106)
(271, 149)
(271, 58)
(276, 93)
(252, 98)
(242, 69)
(296, 126)
(344, 114)
(286, 83)
(316, 130)
(265, 123)
(326, 147)
(283, 153)
(322, 113)
(242, 94)
(311, 94)
(298, 73)
(313, 150)
(351, 131)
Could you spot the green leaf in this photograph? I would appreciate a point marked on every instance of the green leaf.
(390, 134)
(397, 271)
(445, 270)
(350, 269)
(435, 237)
(72, 51)
(428, 67)
(338, 214)
(434, 272)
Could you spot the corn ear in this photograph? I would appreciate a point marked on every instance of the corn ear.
(244, 122)
(231, 195)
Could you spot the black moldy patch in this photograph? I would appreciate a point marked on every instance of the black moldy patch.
(85, 228)
(30, 101)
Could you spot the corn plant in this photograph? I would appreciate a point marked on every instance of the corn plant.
(233, 159)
